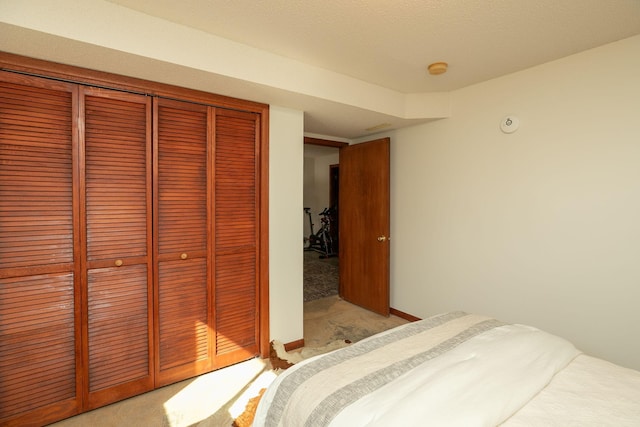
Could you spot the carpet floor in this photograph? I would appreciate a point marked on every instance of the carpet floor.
(320, 276)
(217, 398)
(332, 319)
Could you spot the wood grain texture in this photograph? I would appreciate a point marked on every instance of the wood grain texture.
(364, 216)
(76, 196)
(35, 176)
(236, 231)
(116, 203)
(37, 279)
(183, 240)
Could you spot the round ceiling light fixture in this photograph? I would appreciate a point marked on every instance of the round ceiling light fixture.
(437, 68)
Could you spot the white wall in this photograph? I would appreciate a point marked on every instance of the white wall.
(285, 222)
(323, 179)
(541, 226)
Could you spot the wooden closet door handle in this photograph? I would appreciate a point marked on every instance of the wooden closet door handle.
(184, 256)
(118, 263)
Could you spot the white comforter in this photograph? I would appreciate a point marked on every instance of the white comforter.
(588, 392)
(454, 369)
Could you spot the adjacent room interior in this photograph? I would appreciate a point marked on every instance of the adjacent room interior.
(321, 256)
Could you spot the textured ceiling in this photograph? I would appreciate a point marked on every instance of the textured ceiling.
(353, 67)
(390, 43)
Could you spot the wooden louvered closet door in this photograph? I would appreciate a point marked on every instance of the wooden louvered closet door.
(133, 240)
(183, 242)
(237, 233)
(39, 329)
(117, 251)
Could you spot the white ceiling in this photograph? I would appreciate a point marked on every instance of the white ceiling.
(349, 65)
(391, 42)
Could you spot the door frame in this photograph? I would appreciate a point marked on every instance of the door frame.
(340, 145)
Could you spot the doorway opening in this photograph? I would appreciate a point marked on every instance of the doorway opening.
(320, 236)
(356, 182)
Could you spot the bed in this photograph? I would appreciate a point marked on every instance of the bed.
(454, 369)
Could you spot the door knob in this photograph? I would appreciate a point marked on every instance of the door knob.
(382, 238)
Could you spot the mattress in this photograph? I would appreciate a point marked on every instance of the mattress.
(454, 369)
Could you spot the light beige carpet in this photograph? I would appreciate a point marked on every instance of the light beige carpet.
(217, 398)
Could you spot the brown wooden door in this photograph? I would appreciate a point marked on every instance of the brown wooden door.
(116, 227)
(364, 225)
(182, 159)
(237, 234)
(39, 326)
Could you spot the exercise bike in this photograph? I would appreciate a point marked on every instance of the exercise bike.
(320, 241)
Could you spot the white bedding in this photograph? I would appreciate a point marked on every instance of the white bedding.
(588, 392)
(452, 369)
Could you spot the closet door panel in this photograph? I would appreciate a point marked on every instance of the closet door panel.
(183, 324)
(236, 299)
(39, 331)
(37, 351)
(117, 228)
(236, 235)
(183, 240)
(35, 176)
(116, 178)
(118, 326)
